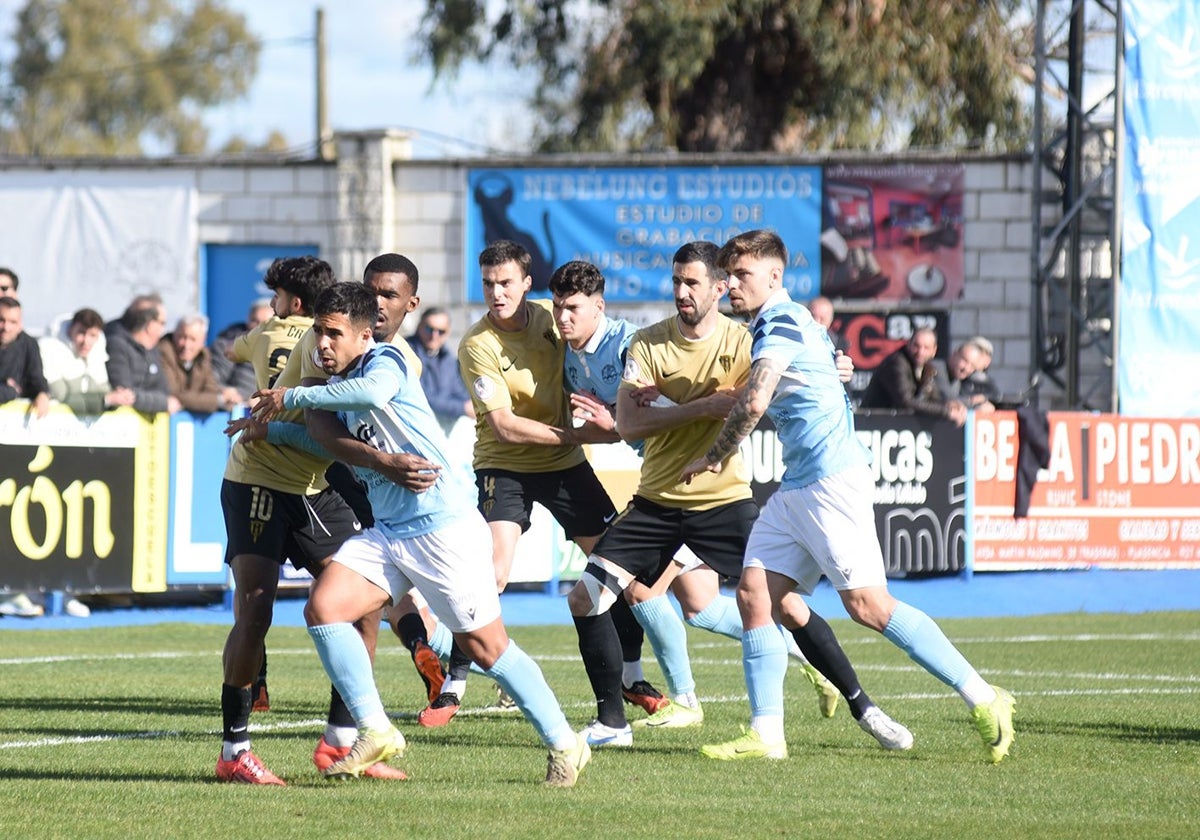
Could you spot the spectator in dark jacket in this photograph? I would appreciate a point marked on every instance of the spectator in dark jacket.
(20, 360)
(238, 375)
(133, 360)
(907, 381)
(188, 366)
(440, 378)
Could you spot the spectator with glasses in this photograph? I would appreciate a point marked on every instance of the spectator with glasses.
(440, 378)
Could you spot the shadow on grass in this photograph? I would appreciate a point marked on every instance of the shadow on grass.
(1112, 731)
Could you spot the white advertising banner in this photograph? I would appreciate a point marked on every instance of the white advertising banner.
(96, 238)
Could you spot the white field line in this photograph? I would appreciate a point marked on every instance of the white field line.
(314, 724)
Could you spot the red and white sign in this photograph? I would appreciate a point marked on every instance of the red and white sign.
(1119, 492)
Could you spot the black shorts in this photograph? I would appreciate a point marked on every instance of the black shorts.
(575, 497)
(285, 526)
(646, 535)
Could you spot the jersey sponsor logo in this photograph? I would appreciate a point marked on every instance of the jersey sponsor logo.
(484, 388)
(672, 373)
(509, 366)
(608, 519)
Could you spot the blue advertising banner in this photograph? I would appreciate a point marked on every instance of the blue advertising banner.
(630, 221)
(1159, 300)
(231, 279)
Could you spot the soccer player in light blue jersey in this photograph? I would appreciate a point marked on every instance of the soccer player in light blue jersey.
(596, 349)
(434, 541)
(820, 521)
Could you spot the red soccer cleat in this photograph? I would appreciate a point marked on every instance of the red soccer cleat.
(440, 711)
(246, 769)
(326, 754)
(262, 700)
(642, 694)
(429, 666)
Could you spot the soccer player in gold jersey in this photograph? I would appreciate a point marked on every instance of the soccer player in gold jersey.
(698, 360)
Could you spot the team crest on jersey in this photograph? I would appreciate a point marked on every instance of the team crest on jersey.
(633, 372)
(726, 362)
(609, 373)
(484, 388)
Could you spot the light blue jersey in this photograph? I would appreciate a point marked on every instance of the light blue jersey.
(381, 402)
(596, 369)
(810, 409)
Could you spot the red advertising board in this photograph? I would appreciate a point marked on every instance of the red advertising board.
(1119, 492)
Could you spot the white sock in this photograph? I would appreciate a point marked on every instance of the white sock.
(976, 691)
(230, 749)
(769, 728)
(687, 699)
(340, 736)
(455, 687)
(631, 672)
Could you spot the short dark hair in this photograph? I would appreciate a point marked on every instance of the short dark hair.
(304, 277)
(9, 302)
(393, 264)
(89, 319)
(136, 318)
(701, 252)
(756, 243)
(576, 277)
(13, 276)
(354, 300)
(505, 250)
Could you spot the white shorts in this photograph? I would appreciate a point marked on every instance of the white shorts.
(687, 560)
(450, 567)
(825, 528)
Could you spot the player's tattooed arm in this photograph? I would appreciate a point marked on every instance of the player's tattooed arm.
(746, 412)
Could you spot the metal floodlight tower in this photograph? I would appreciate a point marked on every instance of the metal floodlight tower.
(1077, 126)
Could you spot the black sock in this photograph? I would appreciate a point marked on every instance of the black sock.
(235, 712)
(411, 629)
(339, 715)
(601, 652)
(821, 649)
(262, 671)
(460, 664)
(629, 631)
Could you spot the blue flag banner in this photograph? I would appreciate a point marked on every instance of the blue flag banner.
(1158, 351)
(630, 221)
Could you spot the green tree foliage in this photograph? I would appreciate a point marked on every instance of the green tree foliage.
(102, 77)
(754, 75)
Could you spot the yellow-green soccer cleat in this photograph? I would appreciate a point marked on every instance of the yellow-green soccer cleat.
(750, 745)
(564, 766)
(827, 694)
(371, 747)
(995, 724)
(672, 716)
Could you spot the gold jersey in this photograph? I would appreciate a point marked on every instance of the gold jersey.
(522, 371)
(283, 468)
(268, 346)
(684, 370)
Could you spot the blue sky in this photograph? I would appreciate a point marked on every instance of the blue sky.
(372, 79)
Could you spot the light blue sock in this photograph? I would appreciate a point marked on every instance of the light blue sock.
(720, 616)
(346, 662)
(918, 635)
(668, 638)
(441, 640)
(764, 662)
(522, 679)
